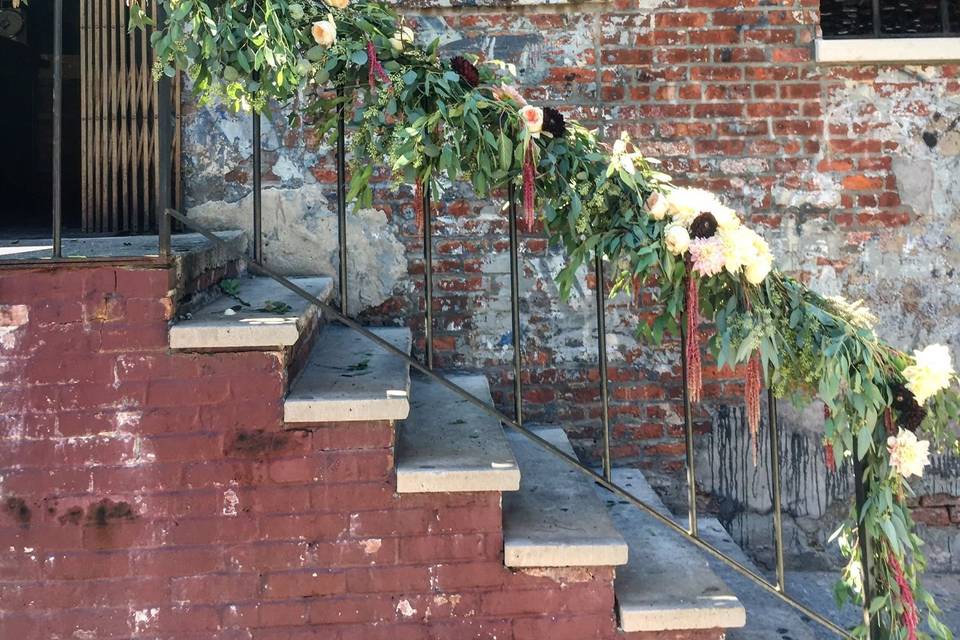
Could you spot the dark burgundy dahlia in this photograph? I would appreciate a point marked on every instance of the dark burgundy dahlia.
(908, 409)
(466, 70)
(703, 226)
(553, 122)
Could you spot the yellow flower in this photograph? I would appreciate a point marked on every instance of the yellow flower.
(931, 372)
(686, 204)
(908, 456)
(325, 32)
(339, 4)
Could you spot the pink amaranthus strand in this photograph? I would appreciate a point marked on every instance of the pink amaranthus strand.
(911, 617)
(827, 447)
(529, 187)
(692, 344)
(376, 69)
(751, 391)
(418, 204)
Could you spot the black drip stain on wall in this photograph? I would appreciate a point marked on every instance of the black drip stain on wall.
(17, 508)
(105, 512)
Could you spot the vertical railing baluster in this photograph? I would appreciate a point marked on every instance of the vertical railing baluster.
(164, 158)
(876, 18)
(427, 274)
(693, 527)
(57, 153)
(866, 549)
(945, 15)
(342, 195)
(515, 303)
(257, 190)
(775, 476)
(602, 357)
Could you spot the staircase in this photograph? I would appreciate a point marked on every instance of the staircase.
(180, 464)
(441, 524)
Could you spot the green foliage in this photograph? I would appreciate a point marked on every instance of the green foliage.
(428, 125)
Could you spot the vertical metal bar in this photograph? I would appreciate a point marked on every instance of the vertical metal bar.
(876, 18)
(515, 303)
(602, 356)
(257, 191)
(164, 152)
(688, 437)
(57, 127)
(428, 275)
(342, 197)
(775, 474)
(866, 550)
(945, 15)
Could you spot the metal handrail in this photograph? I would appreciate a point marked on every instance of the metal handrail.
(605, 479)
(611, 486)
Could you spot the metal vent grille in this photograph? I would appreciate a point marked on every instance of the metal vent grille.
(889, 18)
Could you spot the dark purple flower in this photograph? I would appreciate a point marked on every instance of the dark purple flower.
(553, 122)
(466, 70)
(703, 226)
(910, 413)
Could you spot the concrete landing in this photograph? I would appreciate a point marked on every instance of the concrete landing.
(556, 520)
(212, 327)
(349, 378)
(448, 445)
(114, 247)
(668, 584)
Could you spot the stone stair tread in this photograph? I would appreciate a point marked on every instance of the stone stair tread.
(668, 584)
(211, 328)
(349, 378)
(556, 520)
(448, 445)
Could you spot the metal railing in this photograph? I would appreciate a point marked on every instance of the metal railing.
(605, 478)
(690, 533)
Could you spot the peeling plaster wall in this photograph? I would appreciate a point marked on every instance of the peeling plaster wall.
(851, 172)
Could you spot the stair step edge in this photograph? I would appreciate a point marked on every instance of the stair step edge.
(556, 519)
(347, 377)
(447, 445)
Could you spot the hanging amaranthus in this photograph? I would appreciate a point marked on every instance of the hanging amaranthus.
(910, 616)
(529, 187)
(692, 343)
(751, 390)
(376, 70)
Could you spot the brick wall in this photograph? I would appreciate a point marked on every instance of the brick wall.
(151, 494)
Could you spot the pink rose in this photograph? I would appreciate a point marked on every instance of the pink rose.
(509, 92)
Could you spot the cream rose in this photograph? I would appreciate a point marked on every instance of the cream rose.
(656, 205)
(686, 204)
(757, 271)
(325, 32)
(401, 38)
(908, 456)
(339, 4)
(532, 118)
(931, 372)
(677, 239)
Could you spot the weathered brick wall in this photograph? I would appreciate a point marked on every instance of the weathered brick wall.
(850, 171)
(155, 495)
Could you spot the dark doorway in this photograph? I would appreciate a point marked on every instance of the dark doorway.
(26, 114)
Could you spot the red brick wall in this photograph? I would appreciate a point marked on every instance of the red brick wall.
(152, 494)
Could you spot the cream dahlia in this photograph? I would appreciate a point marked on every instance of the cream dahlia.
(908, 456)
(931, 372)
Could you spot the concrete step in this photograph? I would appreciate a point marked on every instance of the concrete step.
(348, 378)
(556, 520)
(668, 584)
(213, 327)
(449, 445)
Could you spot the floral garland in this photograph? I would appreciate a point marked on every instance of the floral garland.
(436, 119)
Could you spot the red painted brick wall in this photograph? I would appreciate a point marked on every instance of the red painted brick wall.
(150, 494)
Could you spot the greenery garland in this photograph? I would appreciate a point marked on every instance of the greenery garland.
(435, 119)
